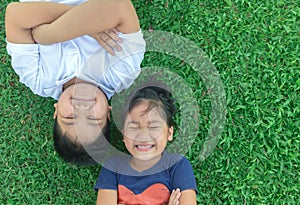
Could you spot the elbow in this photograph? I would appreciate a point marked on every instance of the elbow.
(12, 8)
(12, 21)
(11, 13)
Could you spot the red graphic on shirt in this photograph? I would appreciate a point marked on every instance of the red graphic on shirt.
(156, 194)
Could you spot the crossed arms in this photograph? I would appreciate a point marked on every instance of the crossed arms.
(49, 22)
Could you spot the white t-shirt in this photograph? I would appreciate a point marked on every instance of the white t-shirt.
(45, 68)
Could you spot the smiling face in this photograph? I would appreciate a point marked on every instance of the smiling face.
(146, 132)
(82, 111)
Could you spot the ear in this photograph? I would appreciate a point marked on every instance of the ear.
(55, 111)
(170, 133)
(108, 113)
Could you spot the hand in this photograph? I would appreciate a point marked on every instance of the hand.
(109, 40)
(174, 198)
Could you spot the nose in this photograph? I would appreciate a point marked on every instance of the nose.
(143, 135)
(82, 104)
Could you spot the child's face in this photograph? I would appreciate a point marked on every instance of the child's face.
(82, 111)
(146, 134)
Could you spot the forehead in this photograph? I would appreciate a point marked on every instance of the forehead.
(145, 111)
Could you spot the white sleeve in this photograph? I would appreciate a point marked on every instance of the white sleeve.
(26, 63)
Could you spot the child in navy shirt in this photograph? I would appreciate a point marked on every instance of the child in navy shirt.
(149, 175)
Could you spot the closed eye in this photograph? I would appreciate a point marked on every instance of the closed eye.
(70, 117)
(132, 128)
(154, 127)
(91, 118)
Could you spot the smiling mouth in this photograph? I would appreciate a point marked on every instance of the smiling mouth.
(144, 147)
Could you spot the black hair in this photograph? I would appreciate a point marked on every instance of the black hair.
(72, 151)
(158, 97)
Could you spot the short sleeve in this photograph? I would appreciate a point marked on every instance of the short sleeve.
(182, 176)
(106, 180)
(25, 61)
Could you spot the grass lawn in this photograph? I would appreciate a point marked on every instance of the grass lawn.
(254, 46)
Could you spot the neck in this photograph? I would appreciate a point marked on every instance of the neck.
(142, 165)
(72, 82)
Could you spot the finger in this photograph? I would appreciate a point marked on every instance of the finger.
(173, 200)
(105, 45)
(107, 37)
(112, 39)
(114, 35)
(172, 195)
(177, 194)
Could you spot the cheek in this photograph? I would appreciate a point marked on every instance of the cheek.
(97, 111)
(65, 108)
(162, 141)
(127, 141)
(100, 110)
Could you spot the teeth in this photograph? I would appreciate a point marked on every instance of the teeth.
(144, 146)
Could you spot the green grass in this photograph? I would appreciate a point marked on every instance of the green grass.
(255, 47)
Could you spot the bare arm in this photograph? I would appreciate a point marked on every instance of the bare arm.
(188, 197)
(21, 17)
(90, 17)
(107, 197)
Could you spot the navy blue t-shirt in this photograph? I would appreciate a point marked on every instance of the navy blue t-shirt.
(151, 186)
